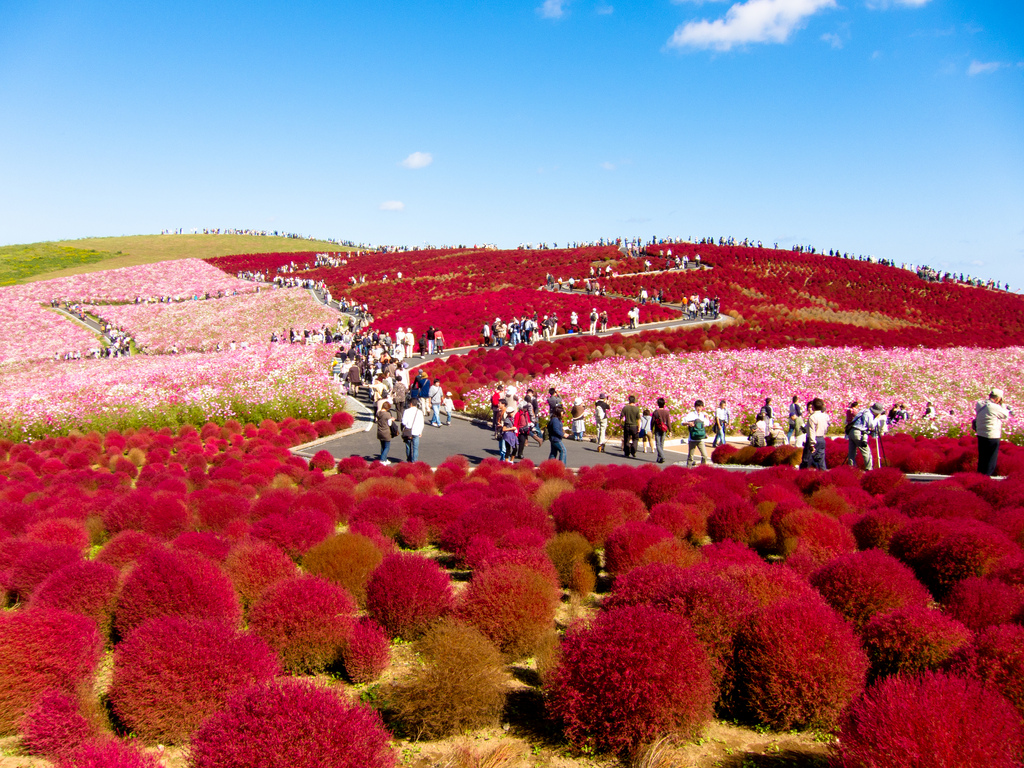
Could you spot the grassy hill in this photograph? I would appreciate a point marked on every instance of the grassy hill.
(43, 261)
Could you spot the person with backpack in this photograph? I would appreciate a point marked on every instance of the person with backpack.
(524, 426)
(867, 423)
(556, 433)
(696, 420)
(660, 425)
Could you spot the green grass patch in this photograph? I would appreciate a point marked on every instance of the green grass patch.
(19, 262)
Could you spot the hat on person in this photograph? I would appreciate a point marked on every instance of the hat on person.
(448, 394)
(602, 396)
(877, 409)
(996, 393)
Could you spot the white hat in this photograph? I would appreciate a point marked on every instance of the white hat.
(996, 393)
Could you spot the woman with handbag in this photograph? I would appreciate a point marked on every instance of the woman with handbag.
(387, 428)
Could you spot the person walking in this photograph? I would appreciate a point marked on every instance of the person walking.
(646, 438)
(556, 434)
(696, 420)
(721, 423)
(601, 410)
(630, 427)
(449, 407)
(660, 425)
(578, 413)
(817, 427)
(412, 428)
(796, 421)
(988, 425)
(384, 424)
(868, 422)
(436, 395)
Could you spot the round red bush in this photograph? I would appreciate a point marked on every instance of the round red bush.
(255, 565)
(33, 561)
(971, 549)
(798, 665)
(513, 606)
(171, 673)
(933, 720)
(881, 480)
(86, 587)
(407, 593)
(981, 602)
(126, 547)
(40, 649)
(625, 546)
(292, 724)
(294, 531)
(996, 657)
(875, 529)
(205, 543)
(635, 674)
(592, 512)
(307, 620)
(911, 640)
(322, 460)
(862, 584)
(169, 583)
(55, 726)
(368, 652)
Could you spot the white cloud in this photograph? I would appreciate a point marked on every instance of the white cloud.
(608, 166)
(418, 160)
(833, 39)
(983, 67)
(753, 21)
(553, 9)
(881, 5)
(392, 205)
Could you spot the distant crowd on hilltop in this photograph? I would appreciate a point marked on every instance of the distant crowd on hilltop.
(259, 233)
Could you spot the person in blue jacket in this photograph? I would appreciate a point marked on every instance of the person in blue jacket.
(555, 434)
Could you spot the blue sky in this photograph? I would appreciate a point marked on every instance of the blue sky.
(885, 127)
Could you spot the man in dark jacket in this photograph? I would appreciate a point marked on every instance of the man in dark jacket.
(630, 427)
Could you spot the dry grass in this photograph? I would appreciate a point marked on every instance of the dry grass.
(147, 249)
(506, 754)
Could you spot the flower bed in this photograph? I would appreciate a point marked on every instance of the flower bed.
(949, 378)
(179, 280)
(34, 332)
(268, 381)
(201, 325)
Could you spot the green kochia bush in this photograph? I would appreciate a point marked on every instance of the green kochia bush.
(636, 674)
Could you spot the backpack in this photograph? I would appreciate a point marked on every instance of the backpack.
(657, 423)
(697, 431)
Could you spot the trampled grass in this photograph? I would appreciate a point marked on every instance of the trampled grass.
(44, 261)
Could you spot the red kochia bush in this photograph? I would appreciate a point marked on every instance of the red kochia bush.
(32, 563)
(980, 602)
(292, 724)
(306, 619)
(55, 727)
(43, 648)
(996, 657)
(637, 673)
(861, 584)
(625, 546)
(171, 673)
(294, 531)
(512, 605)
(254, 565)
(877, 527)
(589, 511)
(86, 587)
(108, 753)
(126, 547)
(911, 640)
(934, 720)
(407, 593)
(168, 583)
(798, 665)
(367, 653)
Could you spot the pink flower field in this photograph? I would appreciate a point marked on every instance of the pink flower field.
(200, 325)
(34, 332)
(952, 379)
(54, 396)
(181, 279)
